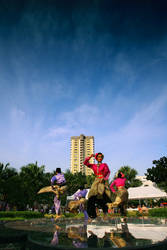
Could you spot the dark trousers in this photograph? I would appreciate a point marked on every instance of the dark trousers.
(94, 202)
(123, 211)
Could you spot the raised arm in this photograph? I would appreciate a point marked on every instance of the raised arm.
(86, 161)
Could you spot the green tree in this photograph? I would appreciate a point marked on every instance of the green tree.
(158, 173)
(16, 196)
(74, 181)
(33, 179)
(90, 179)
(130, 175)
(6, 184)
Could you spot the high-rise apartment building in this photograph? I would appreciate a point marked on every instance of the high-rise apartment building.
(81, 147)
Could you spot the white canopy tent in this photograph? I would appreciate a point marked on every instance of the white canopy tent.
(145, 192)
(139, 193)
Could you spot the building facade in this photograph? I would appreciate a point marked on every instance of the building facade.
(81, 147)
(145, 182)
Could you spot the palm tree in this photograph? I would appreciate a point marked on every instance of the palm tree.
(6, 174)
(33, 178)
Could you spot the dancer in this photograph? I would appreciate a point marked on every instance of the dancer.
(79, 202)
(121, 193)
(58, 189)
(100, 192)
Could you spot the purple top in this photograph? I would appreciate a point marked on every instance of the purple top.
(103, 168)
(80, 194)
(119, 182)
(59, 178)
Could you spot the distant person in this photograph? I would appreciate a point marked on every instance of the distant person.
(100, 192)
(58, 189)
(139, 209)
(144, 209)
(121, 199)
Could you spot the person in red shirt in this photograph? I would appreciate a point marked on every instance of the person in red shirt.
(100, 192)
(121, 193)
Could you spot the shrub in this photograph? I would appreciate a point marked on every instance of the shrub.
(67, 215)
(23, 214)
(158, 212)
(132, 213)
(11, 219)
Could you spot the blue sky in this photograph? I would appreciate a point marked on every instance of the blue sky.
(83, 67)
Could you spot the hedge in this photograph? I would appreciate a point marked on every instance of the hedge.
(158, 212)
(24, 214)
(153, 212)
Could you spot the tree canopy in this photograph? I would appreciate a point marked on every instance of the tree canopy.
(20, 188)
(7, 175)
(158, 173)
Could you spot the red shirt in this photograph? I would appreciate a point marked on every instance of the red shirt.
(118, 183)
(101, 171)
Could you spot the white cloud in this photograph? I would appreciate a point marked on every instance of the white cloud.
(129, 143)
(139, 140)
(85, 114)
(76, 121)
